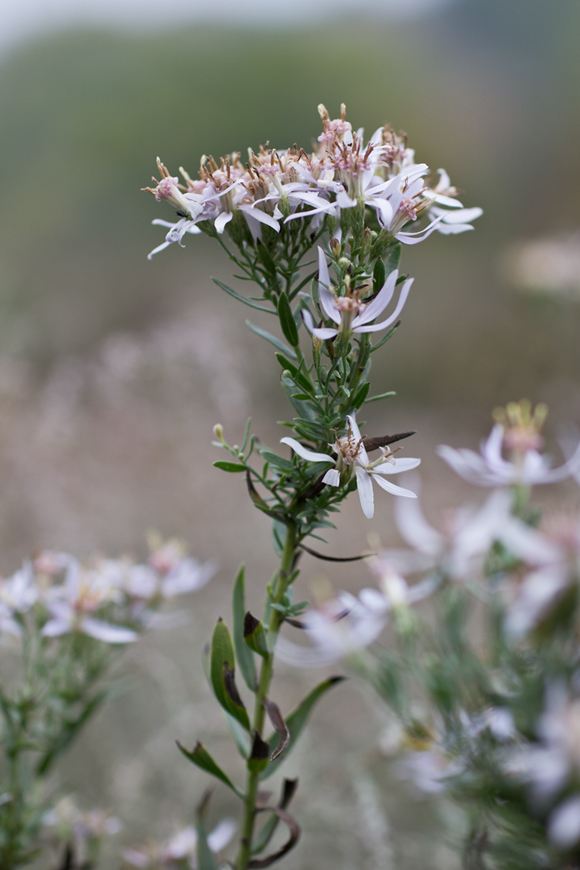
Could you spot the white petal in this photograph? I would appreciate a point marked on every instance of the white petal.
(309, 455)
(365, 492)
(332, 477)
(221, 221)
(390, 487)
(396, 466)
(383, 325)
(564, 823)
(322, 332)
(378, 305)
(221, 835)
(326, 298)
(106, 632)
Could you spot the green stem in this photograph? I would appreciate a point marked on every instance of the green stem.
(266, 673)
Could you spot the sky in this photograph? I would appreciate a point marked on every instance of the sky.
(20, 21)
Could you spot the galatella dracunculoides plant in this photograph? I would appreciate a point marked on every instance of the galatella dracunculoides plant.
(351, 204)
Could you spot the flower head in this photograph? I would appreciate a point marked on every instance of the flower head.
(351, 456)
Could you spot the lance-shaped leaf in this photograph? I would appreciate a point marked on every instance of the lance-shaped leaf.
(254, 635)
(379, 275)
(205, 856)
(201, 757)
(260, 754)
(259, 501)
(261, 841)
(279, 345)
(392, 261)
(294, 831)
(282, 731)
(277, 461)
(232, 467)
(297, 719)
(240, 298)
(244, 655)
(223, 674)
(287, 322)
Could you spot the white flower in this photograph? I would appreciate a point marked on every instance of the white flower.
(459, 551)
(187, 575)
(349, 312)
(83, 593)
(564, 823)
(351, 454)
(180, 847)
(337, 629)
(527, 466)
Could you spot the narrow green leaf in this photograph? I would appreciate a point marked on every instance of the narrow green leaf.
(223, 674)
(267, 260)
(296, 721)
(360, 397)
(240, 298)
(277, 461)
(287, 323)
(244, 655)
(201, 757)
(239, 735)
(392, 261)
(261, 841)
(229, 466)
(379, 275)
(380, 396)
(254, 635)
(386, 337)
(298, 376)
(279, 345)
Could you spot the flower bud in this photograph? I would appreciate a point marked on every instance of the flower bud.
(219, 432)
(335, 248)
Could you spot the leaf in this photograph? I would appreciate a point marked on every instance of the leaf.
(244, 655)
(360, 397)
(205, 857)
(254, 635)
(201, 758)
(243, 299)
(287, 323)
(386, 337)
(277, 461)
(283, 850)
(229, 466)
(288, 790)
(223, 674)
(297, 375)
(240, 736)
(380, 396)
(392, 261)
(379, 275)
(279, 345)
(277, 721)
(297, 719)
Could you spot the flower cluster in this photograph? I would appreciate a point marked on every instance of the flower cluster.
(275, 187)
(490, 718)
(107, 599)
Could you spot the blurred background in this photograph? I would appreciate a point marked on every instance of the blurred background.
(113, 369)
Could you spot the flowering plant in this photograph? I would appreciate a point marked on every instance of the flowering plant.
(63, 624)
(353, 204)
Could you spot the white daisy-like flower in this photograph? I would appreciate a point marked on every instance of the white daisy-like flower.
(351, 455)
(349, 312)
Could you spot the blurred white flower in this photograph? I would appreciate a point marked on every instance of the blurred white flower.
(519, 433)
